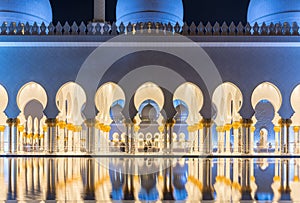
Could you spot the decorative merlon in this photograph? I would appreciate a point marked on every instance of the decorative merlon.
(106, 28)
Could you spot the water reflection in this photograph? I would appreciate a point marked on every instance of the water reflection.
(112, 179)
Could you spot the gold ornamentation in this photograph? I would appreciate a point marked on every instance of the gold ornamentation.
(2, 128)
(61, 124)
(220, 129)
(161, 129)
(236, 125)
(276, 129)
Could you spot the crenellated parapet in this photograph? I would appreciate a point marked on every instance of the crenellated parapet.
(111, 29)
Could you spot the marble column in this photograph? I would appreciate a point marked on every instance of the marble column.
(128, 132)
(236, 126)
(252, 130)
(227, 129)
(76, 137)
(61, 136)
(12, 135)
(90, 137)
(2, 129)
(200, 137)
(296, 139)
(207, 136)
(220, 131)
(246, 133)
(171, 128)
(132, 137)
(51, 135)
(277, 139)
(285, 135)
(165, 148)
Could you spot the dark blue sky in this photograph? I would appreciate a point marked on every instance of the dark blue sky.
(195, 10)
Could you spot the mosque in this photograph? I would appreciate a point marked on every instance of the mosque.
(149, 83)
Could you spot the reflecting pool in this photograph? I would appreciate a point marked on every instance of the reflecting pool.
(149, 179)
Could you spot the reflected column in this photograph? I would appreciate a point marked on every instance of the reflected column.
(90, 170)
(285, 189)
(51, 179)
(128, 184)
(207, 180)
(245, 180)
(167, 188)
(12, 179)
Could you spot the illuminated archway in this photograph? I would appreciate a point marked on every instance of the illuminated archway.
(268, 91)
(105, 97)
(192, 96)
(70, 100)
(228, 100)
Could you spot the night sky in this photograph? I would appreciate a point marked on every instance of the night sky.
(195, 10)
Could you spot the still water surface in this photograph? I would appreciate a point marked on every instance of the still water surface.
(149, 179)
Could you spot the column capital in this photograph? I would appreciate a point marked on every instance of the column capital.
(13, 121)
(200, 126)
(220, 129)
(245, 122)
(277, 129)
(252, 129)
(207, 123)
(61, 124)
(90, 122)
(236, 125)
(171, 122)
(227, 127)
(9, 122)
(288, 122)
(296, 129)
(51, 122)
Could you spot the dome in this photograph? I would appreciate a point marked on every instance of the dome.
(25, 11)
(274, 11)
(163, 11)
